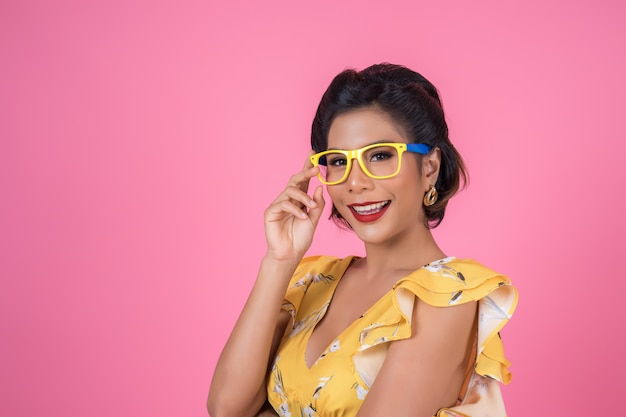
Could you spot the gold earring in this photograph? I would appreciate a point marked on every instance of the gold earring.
(431, 196)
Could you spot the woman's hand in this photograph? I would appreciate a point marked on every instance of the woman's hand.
(291, 219)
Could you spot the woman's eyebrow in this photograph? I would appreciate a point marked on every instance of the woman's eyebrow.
(372, 143)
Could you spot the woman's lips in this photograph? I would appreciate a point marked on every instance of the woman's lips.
(369, 212)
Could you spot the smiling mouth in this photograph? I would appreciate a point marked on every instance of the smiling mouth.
(368, 209)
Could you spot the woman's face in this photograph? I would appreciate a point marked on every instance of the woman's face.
(378, 210)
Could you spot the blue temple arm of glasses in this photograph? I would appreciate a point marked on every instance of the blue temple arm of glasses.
(418, 148)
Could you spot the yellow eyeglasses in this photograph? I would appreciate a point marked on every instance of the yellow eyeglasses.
(378, 161)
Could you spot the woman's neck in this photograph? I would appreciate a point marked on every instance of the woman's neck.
(403, 255)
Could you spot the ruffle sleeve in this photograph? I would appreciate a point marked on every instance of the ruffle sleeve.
(444, 283)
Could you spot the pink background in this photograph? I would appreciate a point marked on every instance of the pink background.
(141, 142)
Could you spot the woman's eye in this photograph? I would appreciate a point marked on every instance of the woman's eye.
(380, 156)
(336, 161)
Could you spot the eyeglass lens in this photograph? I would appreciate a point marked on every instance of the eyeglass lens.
(378, 161)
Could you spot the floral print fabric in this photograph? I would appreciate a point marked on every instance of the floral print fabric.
(339, 380)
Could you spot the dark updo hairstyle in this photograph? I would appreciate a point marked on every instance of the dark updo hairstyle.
(413, 102)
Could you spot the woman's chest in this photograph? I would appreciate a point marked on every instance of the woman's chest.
(329, 387)
(341, 315)
(331, 381)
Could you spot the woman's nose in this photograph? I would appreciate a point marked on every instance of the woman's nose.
(358, 180)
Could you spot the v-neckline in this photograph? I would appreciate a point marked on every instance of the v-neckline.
(324, 310)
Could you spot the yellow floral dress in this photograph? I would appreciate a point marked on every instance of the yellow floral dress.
(339, 380)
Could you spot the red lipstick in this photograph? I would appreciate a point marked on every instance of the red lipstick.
(369, 212)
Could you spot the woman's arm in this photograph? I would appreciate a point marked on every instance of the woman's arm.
(424, 373)
(238, 386)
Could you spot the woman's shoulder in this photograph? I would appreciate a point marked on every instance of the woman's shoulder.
(467, 270)
(318, 268)
(322, 264)
(451, 281)
(317, 273)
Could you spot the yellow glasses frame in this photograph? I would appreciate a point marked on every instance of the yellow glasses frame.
(319, 158)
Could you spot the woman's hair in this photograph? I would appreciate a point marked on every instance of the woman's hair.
(413, 103)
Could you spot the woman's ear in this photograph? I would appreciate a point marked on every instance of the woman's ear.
(430, 167)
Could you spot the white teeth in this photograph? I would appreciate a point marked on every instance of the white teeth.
(370, 208)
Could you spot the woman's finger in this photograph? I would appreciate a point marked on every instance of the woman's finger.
(295, 194)
(307, 161)
(308, 171)
(276, 211)
(316, 212)
(302, 178)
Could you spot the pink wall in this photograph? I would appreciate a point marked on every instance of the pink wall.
(141, 141)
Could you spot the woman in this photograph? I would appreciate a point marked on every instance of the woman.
(405, 330)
